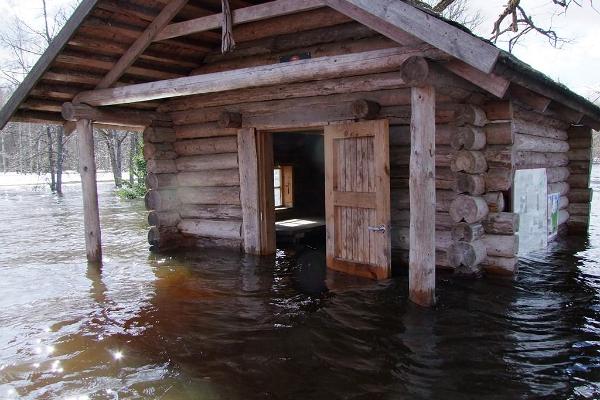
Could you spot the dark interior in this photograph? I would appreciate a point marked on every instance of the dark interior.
(304, 152)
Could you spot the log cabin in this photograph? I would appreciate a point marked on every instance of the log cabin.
(407, 138)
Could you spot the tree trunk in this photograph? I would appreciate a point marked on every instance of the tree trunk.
(110, 144)
(59, 159)
(133, 144)
(3, 152)
(51, 159)
(118, 160)
(20, 132)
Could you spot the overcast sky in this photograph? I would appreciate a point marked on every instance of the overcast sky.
(576, 64)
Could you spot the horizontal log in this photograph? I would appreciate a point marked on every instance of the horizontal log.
(211, 228)
(467, 232)
(521, 114)
(165, 238)
(161, 200)
(466, 254)
(498, 179)
(503, 223)
(561, 188)
(557, 174)
(495, 201)
(227, 144)
(400, 156)
(440, 184)
(580, 154)
(580, 195)
(161, 166)
(472, 162)
(209, 195)
(536, 129)
(578, 224)
(499, 110)
(350, 87)
(207, 162)
(400, 239)
(401, 218)
(228, 119)
(163, 219)
(212, 178)
(501, 245)
(202, 130)
(499, 156)
(470, 209)
(469, 138)
(507, 266)
(579, 209)
(115, 116)
(161, 181)
(528, 159)
(218, 243)
(400, 199)
(580, 142)
(470, 184)
(298, 71)
(500, 133)
(540, 144)
(159, 135)
(210, 211)
(159, 151)
(580, 167)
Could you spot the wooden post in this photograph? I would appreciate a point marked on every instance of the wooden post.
(87, 170)
(422, 197)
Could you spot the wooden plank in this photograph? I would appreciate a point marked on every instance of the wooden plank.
(409, 19)
(491, 82)
(298, 71)
(40, 67)
(266, 194)
(422, 198)
(142, 43)
(529, 98)
(356, 204)
(87, 171)
(249, 190)
(240, 16)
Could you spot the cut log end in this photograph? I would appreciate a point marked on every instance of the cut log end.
(414, 71)
(229, 119)
(365, 109)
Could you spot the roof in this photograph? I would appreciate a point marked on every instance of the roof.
(101, 31)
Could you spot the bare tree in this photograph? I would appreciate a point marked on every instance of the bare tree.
(514, 20)
(114, 143)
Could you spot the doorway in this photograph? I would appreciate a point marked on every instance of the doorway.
(299, 189)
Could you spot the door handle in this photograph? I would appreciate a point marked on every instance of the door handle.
(380, 228)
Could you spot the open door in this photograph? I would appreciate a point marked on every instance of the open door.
(357, 198)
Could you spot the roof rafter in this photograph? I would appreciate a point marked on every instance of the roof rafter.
(142, 43)
(277, 8)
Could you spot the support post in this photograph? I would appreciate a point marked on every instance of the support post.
(422, 197)
(87, 170)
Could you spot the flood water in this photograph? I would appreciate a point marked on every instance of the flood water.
(216, 325)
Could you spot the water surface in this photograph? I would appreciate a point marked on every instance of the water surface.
(217, 325)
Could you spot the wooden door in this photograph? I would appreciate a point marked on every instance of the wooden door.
(357, 190)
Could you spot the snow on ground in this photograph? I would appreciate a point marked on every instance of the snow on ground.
(17, 179)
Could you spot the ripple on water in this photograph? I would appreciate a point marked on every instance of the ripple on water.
(216, 325)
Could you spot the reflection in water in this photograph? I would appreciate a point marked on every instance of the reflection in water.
(217, 325)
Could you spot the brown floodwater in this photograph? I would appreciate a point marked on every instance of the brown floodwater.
(217, 325)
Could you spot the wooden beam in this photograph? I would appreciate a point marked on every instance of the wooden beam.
(529, 98)
(113, 116)
(87, 170)
(249, 190)
(40, 67)
(142, 43)
(244, 15)
(422, 197)
(491, 82)
(565, 113)
(396, 18)
(268, 75)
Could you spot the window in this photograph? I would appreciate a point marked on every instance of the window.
(283, 183)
